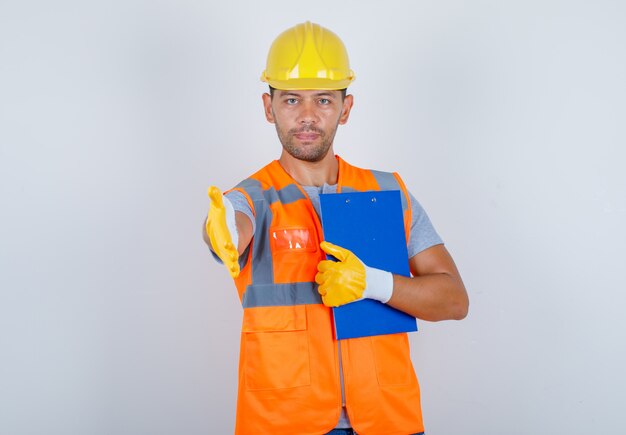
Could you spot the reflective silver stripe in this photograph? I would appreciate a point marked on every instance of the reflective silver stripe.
(262, 262)
(262, 266)
(286, 195)
(387, 181)
(280, 295)
(252, 188)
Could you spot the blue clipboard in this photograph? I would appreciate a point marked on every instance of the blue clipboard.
(371, 225)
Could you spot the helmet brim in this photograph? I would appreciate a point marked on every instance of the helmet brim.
(308, 83)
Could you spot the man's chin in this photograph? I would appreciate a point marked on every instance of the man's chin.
(310, 158)
(306, 153)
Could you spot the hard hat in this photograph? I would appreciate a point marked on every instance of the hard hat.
(307, 56)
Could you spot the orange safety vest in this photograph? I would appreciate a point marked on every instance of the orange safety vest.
(289, 363)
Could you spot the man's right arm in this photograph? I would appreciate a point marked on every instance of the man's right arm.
(244, 228)
(225, 217)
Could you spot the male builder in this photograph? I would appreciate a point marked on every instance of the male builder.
(294, 377)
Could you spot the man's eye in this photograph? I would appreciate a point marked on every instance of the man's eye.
(324, 101)
(291, 101)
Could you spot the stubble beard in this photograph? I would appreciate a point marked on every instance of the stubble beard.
(306, 151)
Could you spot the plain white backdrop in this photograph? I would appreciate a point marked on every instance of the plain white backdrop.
(505, 118)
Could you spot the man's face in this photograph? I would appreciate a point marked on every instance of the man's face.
(306, 121)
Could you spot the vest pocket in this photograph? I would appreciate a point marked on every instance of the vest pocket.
(392, 357)
(275, 346)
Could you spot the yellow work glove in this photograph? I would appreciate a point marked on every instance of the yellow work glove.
(222, 230)
(348, 280)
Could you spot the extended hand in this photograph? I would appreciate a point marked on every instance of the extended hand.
(349, 280)
(219, 234)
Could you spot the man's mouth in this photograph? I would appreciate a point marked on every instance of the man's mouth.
(306, 136)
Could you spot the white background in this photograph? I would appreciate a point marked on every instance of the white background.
(505, 118)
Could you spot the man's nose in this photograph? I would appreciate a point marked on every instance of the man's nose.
(308, 114)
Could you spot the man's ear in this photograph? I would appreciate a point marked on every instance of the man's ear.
(345, 110)
(267, 106)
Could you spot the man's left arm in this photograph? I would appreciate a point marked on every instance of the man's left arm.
(435, 291)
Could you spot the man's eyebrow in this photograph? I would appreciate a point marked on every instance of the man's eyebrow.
(295, 94)
(290, 94)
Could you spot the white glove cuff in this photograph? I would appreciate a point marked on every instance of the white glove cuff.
(231, 224)
(378, 284)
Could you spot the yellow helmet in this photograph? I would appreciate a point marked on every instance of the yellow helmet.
(307, 56)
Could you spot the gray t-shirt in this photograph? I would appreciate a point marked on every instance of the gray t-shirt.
(423, 234)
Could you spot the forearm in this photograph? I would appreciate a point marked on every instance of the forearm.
(244, 228)
(439, 296)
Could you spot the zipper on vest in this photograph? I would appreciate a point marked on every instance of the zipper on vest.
(317, 218)
(343, 392)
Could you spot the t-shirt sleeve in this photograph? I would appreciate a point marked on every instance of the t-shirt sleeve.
(423, 234)
(240, 203)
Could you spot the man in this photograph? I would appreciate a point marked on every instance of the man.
(294, 377)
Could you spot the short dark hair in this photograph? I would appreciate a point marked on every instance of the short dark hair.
(343, 92)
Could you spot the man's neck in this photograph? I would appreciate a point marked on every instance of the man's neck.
(311, 173)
